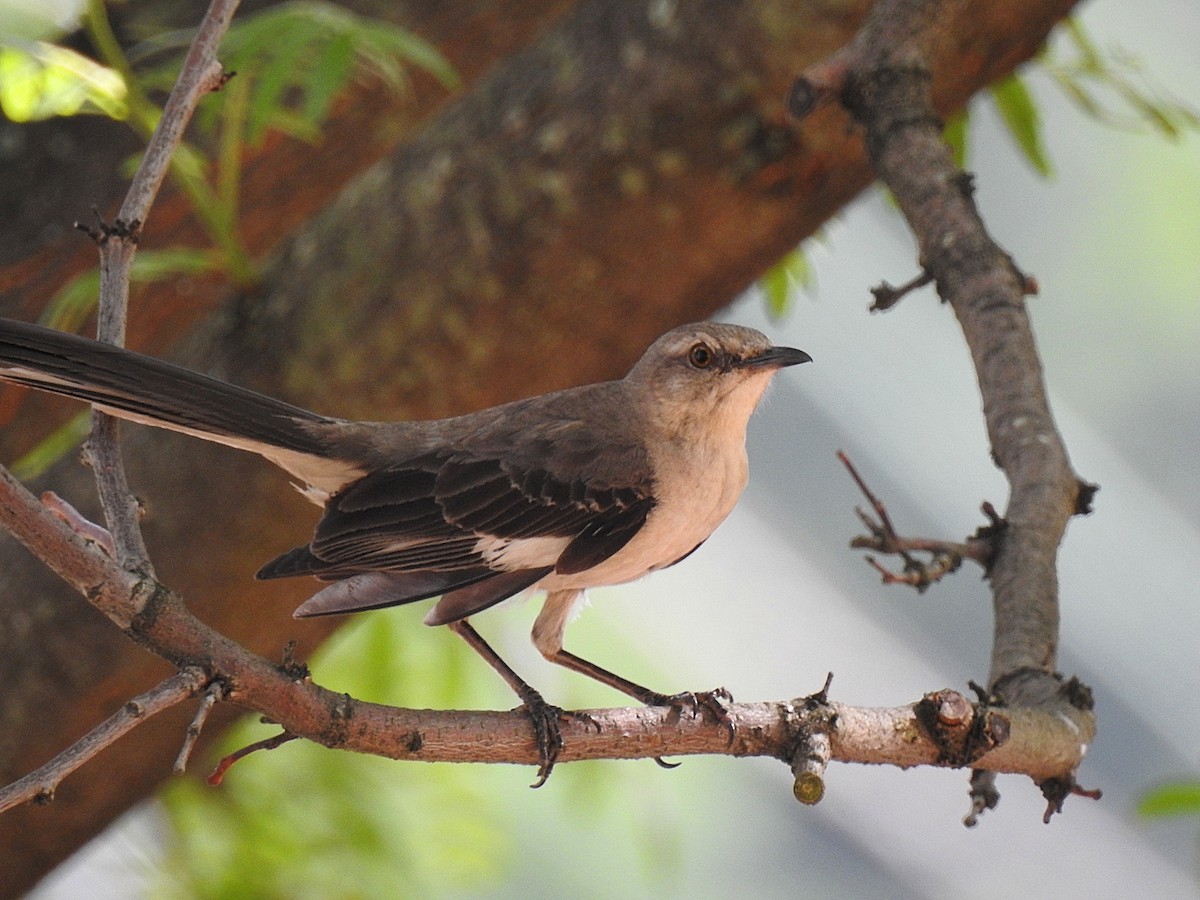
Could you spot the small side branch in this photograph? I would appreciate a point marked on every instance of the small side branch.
(217, 776)
(215, 693)
(813, 749)
(944, 557)
(118, 242)
(886, 295)
(39, 786)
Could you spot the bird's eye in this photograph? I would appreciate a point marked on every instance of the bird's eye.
(701, 356)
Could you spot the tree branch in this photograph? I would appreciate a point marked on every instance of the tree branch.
(883, 78)
(201, 74)
(39, 786)
(804, 733)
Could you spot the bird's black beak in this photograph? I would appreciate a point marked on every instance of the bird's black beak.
(776, 358)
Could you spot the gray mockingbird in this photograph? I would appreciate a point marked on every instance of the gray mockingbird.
(593, 485)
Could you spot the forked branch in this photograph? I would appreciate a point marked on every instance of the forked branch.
(883, 79)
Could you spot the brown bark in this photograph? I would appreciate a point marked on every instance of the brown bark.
(884, 78)
(616, 177)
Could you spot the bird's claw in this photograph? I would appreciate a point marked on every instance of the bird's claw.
(547, 734)
(695, 703)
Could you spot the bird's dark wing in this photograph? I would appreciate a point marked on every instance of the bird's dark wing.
(601, 538)
(389, 520)
(466, 601)
(373, 590)
(431, 516)
(487, 496)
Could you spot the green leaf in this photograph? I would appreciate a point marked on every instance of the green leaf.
(279, 70)
(1024, 123)
(1090, 58)
(1178, 799)
(1113, 88)
(1078, 93)
(300, 55)
(776, 288)
(40, 80)
(385, 46)
(54, 447)
(955, 135)
(75, 301)
(329, 77)
(777, 284)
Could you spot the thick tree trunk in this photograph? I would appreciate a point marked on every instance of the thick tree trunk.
(622, 174)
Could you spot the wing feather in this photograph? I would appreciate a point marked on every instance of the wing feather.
(442, 512)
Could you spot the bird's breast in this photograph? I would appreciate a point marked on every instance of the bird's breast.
(693, 494)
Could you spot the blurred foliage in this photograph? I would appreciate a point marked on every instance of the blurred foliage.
(304, 821)
(1115, 87)
(1180, 798)
(75, 301)
(1020, 115)
(39, 80)
(1015, 105)
(53, 447)
(292, 61)
(37, 19)
(781, 280)
(1111, 87)
(296, 58)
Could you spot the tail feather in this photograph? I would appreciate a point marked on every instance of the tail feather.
(154, 392)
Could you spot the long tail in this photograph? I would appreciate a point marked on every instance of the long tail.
(153, 392)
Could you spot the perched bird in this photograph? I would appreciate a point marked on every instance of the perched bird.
(593, 485)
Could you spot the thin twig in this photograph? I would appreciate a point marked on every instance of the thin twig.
(39, 786)
(81, 525)
(201, 74)
(216, 691)
(218, 774)
(944, 556)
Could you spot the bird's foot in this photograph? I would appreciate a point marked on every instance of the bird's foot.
(696, 703)
(547, 734)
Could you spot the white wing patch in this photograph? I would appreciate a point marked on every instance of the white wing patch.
(511, 554)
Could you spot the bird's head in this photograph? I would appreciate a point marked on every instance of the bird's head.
(710, 370)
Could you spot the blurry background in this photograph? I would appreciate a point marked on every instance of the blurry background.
(776, 599)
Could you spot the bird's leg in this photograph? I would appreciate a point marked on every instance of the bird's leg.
(691, 702)
(547, 637)
(545, 716)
